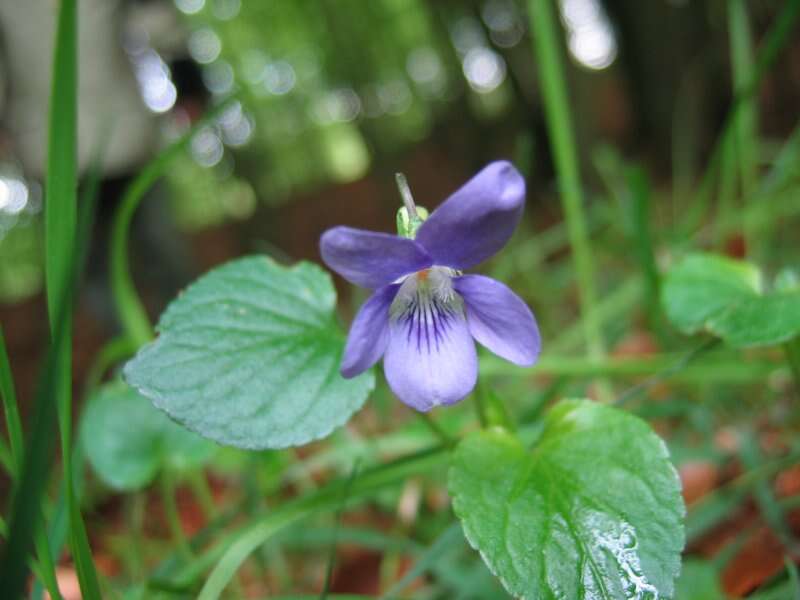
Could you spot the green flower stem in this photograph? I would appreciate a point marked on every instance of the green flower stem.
(435, 428)
(109, 355)
(492, 412)
(135, 321)
(234, 551)
(559, 124)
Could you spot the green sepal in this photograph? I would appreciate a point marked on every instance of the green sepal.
(407, 225)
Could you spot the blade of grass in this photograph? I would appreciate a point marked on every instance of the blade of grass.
(10, 408)
(248, 539)
(794, 577)
(451, 535)
(332, 553)
(60, 249)
(547, 52)
(774, 515)
(130, 309)
(745, 122)
(774, 41)
(29, 489)
(785, 168)
(169, 501)
(46, 570)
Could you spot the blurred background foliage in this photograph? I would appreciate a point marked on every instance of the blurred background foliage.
(325, 101)
(331, 93)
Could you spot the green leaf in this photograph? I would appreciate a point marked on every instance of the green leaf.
(249, 356)
(702, 286)
(593, 511)
(725, 297)
(759, 321)
(128, 441)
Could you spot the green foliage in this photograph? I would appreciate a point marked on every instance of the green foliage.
(128, 457)
(593, 511)
(249, 356)
(726, 298)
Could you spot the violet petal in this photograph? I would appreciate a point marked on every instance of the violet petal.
(477, 220)
(499, 320)
(431, 358)
(371, 259)
(369, 333)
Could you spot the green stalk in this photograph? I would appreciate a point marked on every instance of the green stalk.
(26, 507)
(774, 41)
(130, 309)
(559, 124)
(60, 247)
(436, 429)
(47, 570)
(14, 424)
(11, 410)
(167, 487)
(730, 369)
(202, 492)
(746, 121)
(792, 350)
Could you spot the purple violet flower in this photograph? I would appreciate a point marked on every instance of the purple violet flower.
(424, 313)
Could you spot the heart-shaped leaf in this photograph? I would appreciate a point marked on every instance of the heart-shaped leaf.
(725, 297)
(249, 355)
(593, 511)
(702, 286)
(128, 441)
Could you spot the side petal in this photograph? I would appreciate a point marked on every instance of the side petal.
(369, 333)
(477, 220)
(499, 319)
(431, 358)
(371, 259)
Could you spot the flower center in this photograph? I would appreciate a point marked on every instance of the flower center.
(426, 292)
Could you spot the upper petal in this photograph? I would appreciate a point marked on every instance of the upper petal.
(371, 259)
(499, 319)
(431, 358)
(369, 333)
(477, 220)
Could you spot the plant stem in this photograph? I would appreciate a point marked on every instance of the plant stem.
(172, 515)
(559, 124)
(202, 491)
(746, 141)
(437, 430)
(136, 509)
(130, 309)
(492, 412)
(47, 571)
(730, 369)
(11, 410)
(792, 350)
(773, 42)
